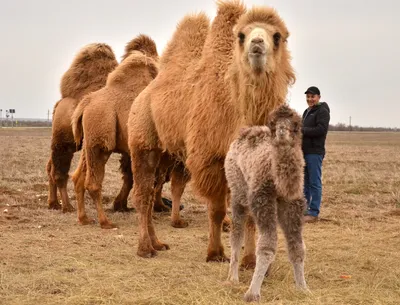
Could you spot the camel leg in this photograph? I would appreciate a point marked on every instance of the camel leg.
(61, 159)
(96, 160)
(179, 178)
(227, 223)
(290, 214)
(144, 164)
(216, 214)
(209, 181)
(162, 172)
(239, 215)
(121, 201)
(155, 242)
(160, 176)
(249, 256)
(158, 205)
(263, 207)
(52, 198)
(79, 183)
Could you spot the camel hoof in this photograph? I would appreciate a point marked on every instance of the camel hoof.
(122, 206)
(86, 221)
(219, 258)
(55, 205)
(230, 283)
(251, 297)
(226, 225)
(304, 289)
(108, 225)
(160, 207)
(122, 209)
(160, 246)
(147, 253)
(67, 208)
(180, 223)
(248, 262)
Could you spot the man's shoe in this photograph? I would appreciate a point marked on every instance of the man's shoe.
(310, 219)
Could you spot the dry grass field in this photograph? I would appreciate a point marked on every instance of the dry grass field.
(46, 257)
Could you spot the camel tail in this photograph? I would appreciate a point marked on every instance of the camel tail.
(76, 121)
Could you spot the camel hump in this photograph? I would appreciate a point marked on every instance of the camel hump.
(231, 10)
(188, 40)
(88, 71)
(141, 43)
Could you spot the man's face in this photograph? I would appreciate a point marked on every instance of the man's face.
(312, 99)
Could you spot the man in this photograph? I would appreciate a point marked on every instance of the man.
(315, 128)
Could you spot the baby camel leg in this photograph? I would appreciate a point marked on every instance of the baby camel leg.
(290, 214)
(263, 206)
(179, 178)
(79, 183)
(96, 160)
(239, 215)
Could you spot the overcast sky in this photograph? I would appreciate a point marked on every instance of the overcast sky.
(348, 48)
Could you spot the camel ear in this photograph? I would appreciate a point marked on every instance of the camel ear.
(297, 125)
(244, 131)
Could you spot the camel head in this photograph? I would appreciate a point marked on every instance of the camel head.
(287, 161)
(285, 126)
(261, 41)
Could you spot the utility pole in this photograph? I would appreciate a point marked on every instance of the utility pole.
(1, 118)
(350, 122)
(48, 115)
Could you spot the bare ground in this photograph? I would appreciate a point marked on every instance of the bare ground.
(353, 253)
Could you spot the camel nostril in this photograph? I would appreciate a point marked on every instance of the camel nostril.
(257, 40)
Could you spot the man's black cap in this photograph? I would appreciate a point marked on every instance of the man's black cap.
(313, 90)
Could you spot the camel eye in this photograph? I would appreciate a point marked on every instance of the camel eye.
(241, 37)
(277, 39)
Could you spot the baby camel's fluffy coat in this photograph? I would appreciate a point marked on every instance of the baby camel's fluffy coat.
(264, 169)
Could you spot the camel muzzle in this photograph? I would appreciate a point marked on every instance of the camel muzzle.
(257, 49)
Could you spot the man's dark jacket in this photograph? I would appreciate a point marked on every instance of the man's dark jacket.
(315, 128)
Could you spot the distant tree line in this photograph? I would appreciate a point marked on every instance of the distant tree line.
(344, 127)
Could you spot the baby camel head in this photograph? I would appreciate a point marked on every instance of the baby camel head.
(261, 41)
(285, 126)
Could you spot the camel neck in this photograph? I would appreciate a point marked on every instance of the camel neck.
(258, 97)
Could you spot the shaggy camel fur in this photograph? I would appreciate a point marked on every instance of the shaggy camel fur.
(87, 73)
(102, 116)
(264, 169)
(180, 55)
(202, 96)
